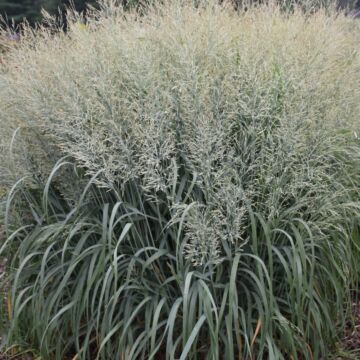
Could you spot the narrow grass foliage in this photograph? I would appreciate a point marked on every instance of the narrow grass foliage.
(182, 183)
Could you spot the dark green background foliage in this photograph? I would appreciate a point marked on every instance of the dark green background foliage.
(18, 10)
(31, 9)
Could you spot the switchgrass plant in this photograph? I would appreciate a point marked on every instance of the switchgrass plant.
(183, 183)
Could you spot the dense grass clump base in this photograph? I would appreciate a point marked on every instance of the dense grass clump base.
(182, 183)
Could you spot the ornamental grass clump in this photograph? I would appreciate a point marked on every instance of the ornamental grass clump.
(182, 183)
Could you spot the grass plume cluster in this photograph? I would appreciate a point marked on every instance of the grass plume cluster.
(182, 182)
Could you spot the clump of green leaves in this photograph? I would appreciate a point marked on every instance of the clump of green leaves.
(184, 182)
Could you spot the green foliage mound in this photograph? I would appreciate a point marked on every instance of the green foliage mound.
(184, 183)
(18, 10)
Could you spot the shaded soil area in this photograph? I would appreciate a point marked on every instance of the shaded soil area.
(350, 343)
(20, 357)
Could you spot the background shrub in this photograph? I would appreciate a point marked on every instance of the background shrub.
(18, 10)
(186, 183)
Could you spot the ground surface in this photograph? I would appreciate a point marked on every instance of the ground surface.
(350, 344)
